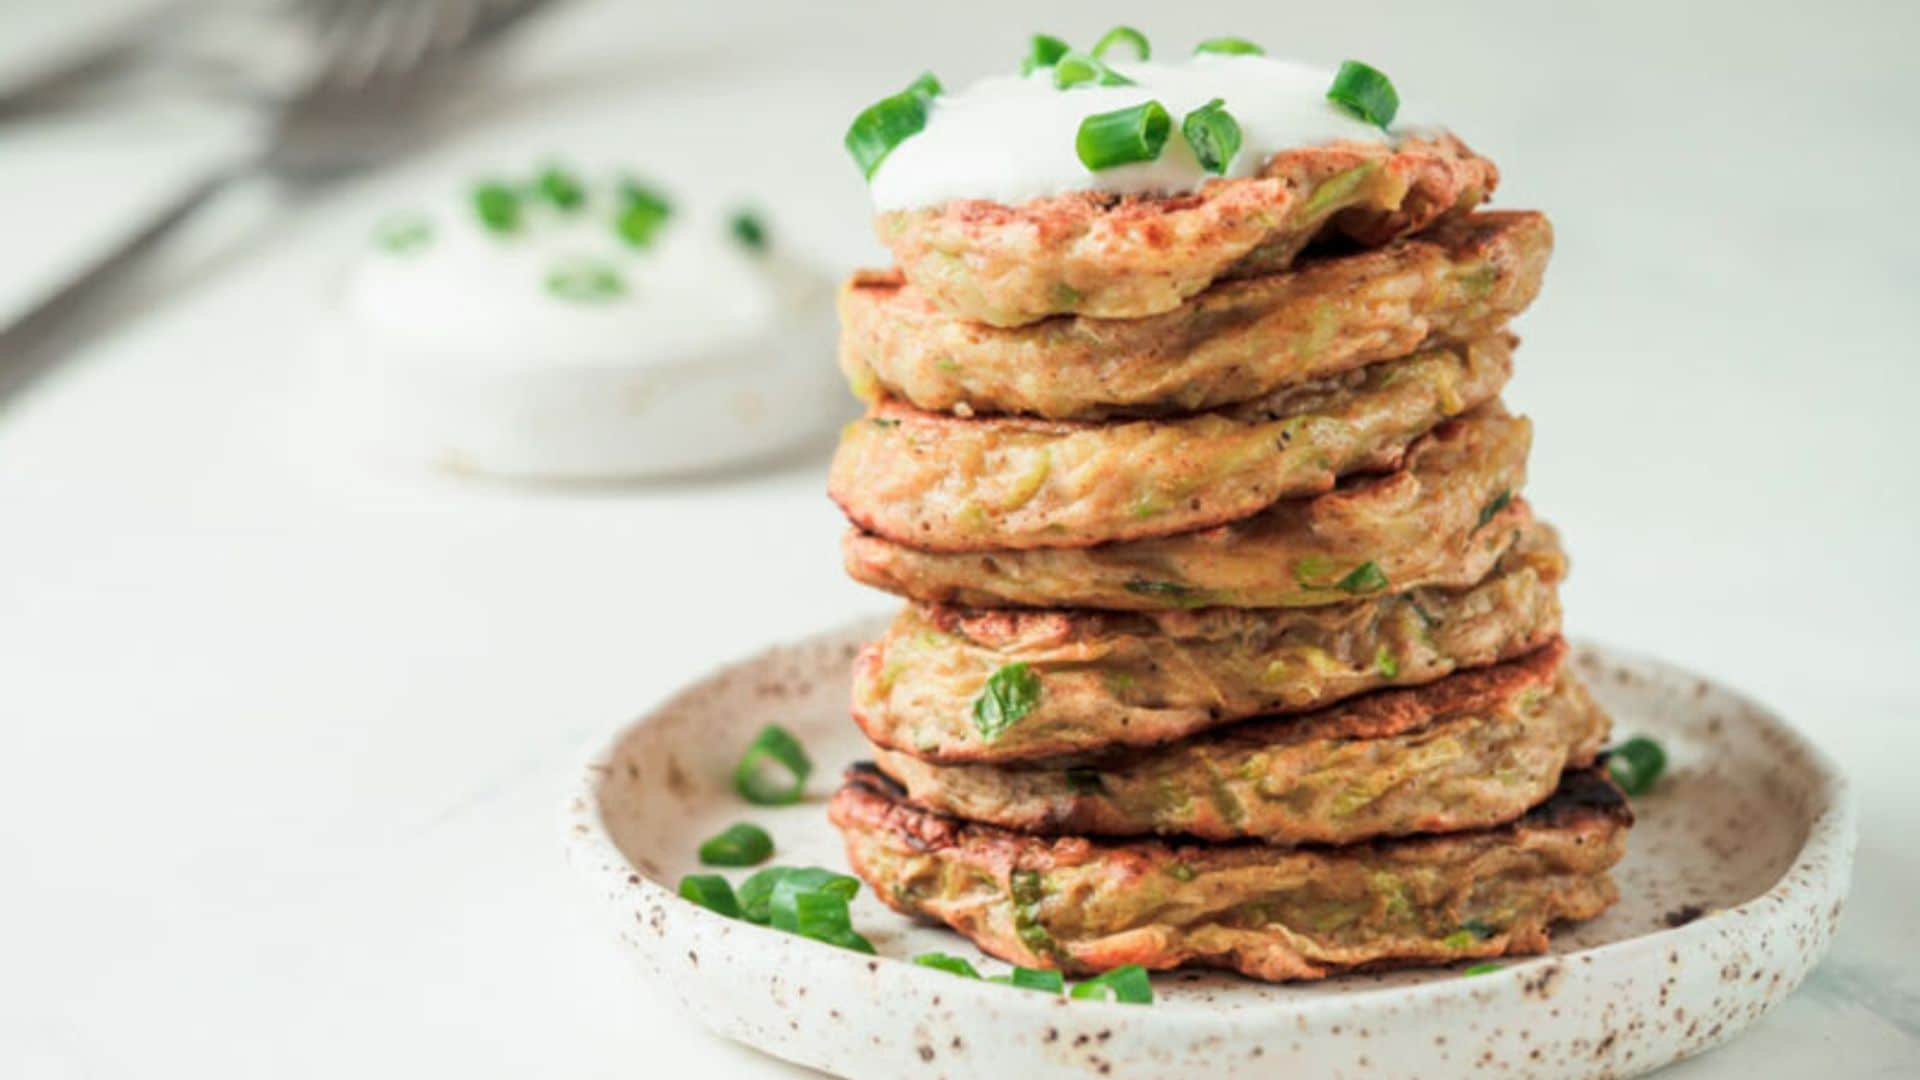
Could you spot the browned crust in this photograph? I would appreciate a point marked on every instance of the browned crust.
(1237, 341)
(1113, 256)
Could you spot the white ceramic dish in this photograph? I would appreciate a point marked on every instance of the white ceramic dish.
(1752, 830)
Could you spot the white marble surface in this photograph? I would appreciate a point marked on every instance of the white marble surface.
(282, 736)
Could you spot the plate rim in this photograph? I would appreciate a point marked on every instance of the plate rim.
(1832, 834)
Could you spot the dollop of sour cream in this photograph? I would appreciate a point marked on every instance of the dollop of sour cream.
(1010, 138)
(563, 287)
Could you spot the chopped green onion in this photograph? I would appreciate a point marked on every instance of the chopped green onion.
(561, 188)
(1123, 136)
(1078, 68)
(586, 281)
(739, 845)
(1367, 577)
(1494, 506)
(747, 228)
(1009, 695)
(643, 210)
(774, 749)
(1044, 52)
(756, 893)
(1385, 662)
(1128, 984)
(712, 892)
(1481, 969)
(1085, 781)
(1213, 134)
(1636, 764)
(952, 965)
(1032, 979)
(1232, 46)
(403, 234)
(819, 914)
(1123, 35)
(889, 122)
(1365, 92)
(497, 206)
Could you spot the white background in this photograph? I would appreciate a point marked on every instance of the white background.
(283, 736)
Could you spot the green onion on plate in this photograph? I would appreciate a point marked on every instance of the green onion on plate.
(1636, 764)
(952, 965)
(773, 752)
(561, 188)
(1080, 69)
(1127, 984)
(586, 281)
(743, 844)
(712, 892)
(1051, 982)
(756, 893)
(1123, 136)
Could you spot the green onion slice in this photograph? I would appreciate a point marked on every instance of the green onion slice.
(1481, 969)
(740, 845)
(952, 965)
(1367, 577)
(497, 206)
(403, 234)
(1365, 92)
(819, 914)
(1636, 764)
(1010, 694)
(1044, 52)
(712, 892)
(1213, 134)
(1123, 35)
(1123, 136)
(1231, 46)
(586, 281)
(1078, 69)
(1492, 509)
(774, 750)
(756, 893)
(1128, 984)
(747, 228)
(1051, 982)
(561, 188)
(889, 122)
(643, 210)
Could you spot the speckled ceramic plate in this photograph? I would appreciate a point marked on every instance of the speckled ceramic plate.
(1733, 882)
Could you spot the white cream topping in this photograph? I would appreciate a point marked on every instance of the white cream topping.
(1010, 138)
(480, 298)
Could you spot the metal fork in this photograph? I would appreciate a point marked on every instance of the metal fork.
(377, 61)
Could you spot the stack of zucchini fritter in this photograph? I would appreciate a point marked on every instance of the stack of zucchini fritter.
(1230, 640)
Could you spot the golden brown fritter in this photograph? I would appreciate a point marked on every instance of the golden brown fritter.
(940, 483)
(1237, 341)
(1273, 913)
(1143, 678)
(1108, 256)
(1476, 749)
(1443, 519)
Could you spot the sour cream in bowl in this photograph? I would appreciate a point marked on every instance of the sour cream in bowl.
(559, 326)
